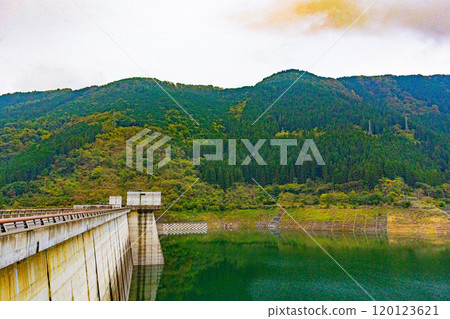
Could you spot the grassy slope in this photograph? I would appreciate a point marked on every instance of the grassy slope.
(409, 221)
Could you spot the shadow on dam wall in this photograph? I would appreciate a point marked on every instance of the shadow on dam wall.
(95, 264)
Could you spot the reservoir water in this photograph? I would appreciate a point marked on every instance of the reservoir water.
(259, 265)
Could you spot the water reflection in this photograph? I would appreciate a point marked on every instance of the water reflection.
(287, 265)
(144, 283)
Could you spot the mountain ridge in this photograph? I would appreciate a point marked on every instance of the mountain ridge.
(298, 71)
(46, 133)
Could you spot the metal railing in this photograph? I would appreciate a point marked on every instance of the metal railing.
(8, 225)
(25, 212)
(16, 213)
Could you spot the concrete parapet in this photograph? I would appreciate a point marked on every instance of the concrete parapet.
(86, 259)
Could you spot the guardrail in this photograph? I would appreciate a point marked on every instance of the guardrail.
(8, 225)
(25, 212)
(16, 213)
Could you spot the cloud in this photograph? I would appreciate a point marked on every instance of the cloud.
(428, 17)
(425, 17)
(319, 14)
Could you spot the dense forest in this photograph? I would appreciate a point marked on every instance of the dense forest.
(63, 147)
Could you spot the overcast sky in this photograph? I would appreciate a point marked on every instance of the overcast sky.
(48, 44)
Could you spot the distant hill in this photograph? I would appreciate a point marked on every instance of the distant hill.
(63, 143)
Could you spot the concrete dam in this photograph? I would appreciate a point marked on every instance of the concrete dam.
(75, 254)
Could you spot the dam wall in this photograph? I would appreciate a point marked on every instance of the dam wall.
(87, 259)
(144, 239)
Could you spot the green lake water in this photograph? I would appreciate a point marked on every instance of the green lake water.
(259, 265)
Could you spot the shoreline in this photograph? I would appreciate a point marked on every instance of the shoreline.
(395, 220)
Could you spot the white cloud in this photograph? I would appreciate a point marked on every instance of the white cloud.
(424, 17)
(52, 44)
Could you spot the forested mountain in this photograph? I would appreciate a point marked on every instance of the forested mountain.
(64, 144)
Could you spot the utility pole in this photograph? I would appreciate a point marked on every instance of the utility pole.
(114, 120)
(370, 127)
(406, 123)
